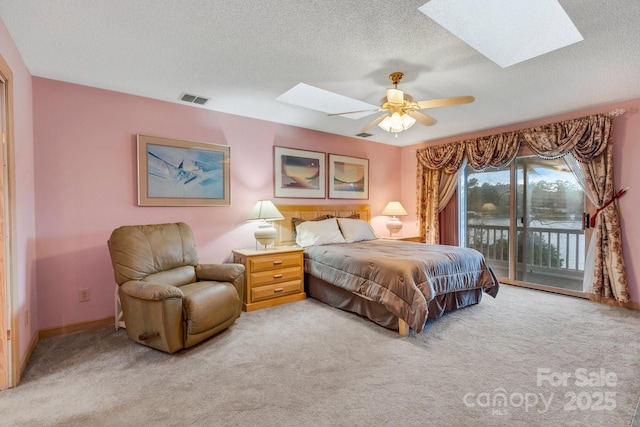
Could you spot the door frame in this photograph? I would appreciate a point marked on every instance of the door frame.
(9, 337)
(524, 151)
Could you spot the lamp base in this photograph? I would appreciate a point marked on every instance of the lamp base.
(394, 225)
(265, 234)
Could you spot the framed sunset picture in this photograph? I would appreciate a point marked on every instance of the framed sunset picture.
(348, 177)
(299, 173)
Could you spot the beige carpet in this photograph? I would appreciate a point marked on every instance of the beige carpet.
(500, 363)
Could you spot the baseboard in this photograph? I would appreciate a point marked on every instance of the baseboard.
(553, 290)
(610, 301)
(593, 298)
(27, 355)
(76, 327)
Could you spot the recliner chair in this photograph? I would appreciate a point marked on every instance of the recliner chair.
(169, 300)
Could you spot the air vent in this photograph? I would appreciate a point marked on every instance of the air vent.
(364, 134)
(194, 99)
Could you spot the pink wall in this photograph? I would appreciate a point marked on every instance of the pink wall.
(24, 288)
(626, 138)
(85, 162)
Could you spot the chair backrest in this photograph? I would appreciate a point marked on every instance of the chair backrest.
(139, 251)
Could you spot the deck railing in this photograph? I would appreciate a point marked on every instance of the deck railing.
(549, 250)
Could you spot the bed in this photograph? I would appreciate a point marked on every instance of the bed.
(396, 284)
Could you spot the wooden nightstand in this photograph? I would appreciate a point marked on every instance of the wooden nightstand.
(272, 276)
(407, 238)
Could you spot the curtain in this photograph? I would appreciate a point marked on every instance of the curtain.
(437, 175)
(437, 187)
(609, 271)
(589, 262)
(588, 139)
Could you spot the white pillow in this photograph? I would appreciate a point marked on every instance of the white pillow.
(318, 233)
(355, 230)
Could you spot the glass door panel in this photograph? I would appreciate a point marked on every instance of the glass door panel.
(530, 211)
(550, 244)
(487, 216)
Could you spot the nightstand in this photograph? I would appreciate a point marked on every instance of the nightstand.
(407, 238)
(272, 276)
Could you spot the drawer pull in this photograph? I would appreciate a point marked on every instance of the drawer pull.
(278, 262)
(278, 290)
(277, 276)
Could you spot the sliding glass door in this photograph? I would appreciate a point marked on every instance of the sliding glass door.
(527, 221)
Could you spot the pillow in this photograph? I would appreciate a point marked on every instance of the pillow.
(297, 221)
(323, 232)
(356, 230)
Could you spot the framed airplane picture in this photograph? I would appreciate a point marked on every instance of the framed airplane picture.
(174, 172)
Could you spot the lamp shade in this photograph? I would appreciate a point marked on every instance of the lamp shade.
(265, 210)
(394, 209)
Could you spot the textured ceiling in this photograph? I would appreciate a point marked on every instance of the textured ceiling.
(244, 54)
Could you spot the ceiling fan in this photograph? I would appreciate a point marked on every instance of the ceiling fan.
(402, 112)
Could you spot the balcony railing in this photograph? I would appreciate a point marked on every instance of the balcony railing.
(553, 251)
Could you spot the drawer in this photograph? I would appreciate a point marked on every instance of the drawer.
(269, 262)
(276, 290)
(275, 276)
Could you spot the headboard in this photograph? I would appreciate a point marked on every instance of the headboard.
(285, 228)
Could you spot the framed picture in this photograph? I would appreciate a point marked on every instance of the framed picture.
(348, 177)
(174, 172)
(299, 173)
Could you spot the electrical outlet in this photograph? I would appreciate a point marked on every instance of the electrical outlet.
(85, 295)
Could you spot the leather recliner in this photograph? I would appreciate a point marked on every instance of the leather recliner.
(169, 300)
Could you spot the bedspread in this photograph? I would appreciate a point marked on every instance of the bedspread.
(403, 276)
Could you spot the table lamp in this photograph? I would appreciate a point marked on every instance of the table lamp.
(394, 209)
(265, 212)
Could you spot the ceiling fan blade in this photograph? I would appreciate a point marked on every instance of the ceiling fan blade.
(354, 112)
(373, 123)
(422, 118)
(444, 102)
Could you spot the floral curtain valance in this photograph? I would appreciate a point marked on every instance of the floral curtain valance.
(585, 138)
(447, 158)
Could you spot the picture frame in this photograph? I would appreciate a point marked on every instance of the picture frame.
(175, 172)
(299, 173)
(348, 177)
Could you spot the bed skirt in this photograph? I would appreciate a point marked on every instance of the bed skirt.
(348, 301)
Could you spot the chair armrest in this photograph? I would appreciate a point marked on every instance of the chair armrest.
(233, 273)
(150, 291)
(219, 272)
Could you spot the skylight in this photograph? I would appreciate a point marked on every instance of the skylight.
(506, 31)
(308, 96)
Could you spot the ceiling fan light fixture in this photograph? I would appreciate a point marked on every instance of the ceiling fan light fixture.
(396, 122)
